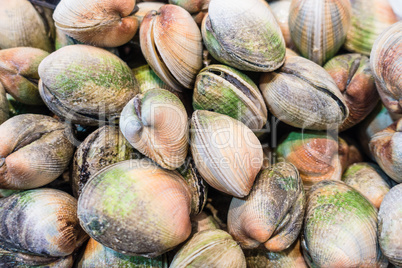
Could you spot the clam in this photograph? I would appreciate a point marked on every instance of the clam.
(41, 222)
(96, 255)
(86, 85)
(340, 228)
(19, 73)
(390, 226)
(302, 94)
(4, 110)
(369, 19)
(155, 123)
(136, 208)
(104, 23)
(369, 180)
(23, 26)
(11, 259)
(197, 8)
(315, 155)
(34, 151)
(210, 248)
(353, 76)
(147, 79)
(144, 8)
(244, 35)
(202, 222)
(102, 148)
(227, 153)
(62, 40)
(386, 63)
(224, 90)
(386, 147)
(281, 10)
(178, 63)
(272, 214)
(349, 152)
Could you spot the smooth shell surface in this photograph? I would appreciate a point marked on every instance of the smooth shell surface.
(136, 208)
(280, 9)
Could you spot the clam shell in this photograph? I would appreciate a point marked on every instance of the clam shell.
(302, 94)
(272, 213)
(147, 79)
(340, 228)
(386, 63)
(244, 35)
(349, 152)
(210, 248)
(42, 222)
(226, 153)
(192, 6)
(105, 23)
(390, 225)
(11, 260)
(178, 63)
(4, 110)
(281, 10)
(34, 151)
(136, 208)
(145, 7)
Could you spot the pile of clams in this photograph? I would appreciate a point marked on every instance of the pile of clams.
(201, 133)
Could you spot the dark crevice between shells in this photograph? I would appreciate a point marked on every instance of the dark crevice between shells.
(234, 81)
(137, 106)
(41, 11)
(33, 81)
(45, 3)
(200, 186)
(30, 138)
(353, 69)
(135, 10)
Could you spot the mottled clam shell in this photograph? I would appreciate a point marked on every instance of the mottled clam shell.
(4, 110)
(386, 63)
(290, 257)
(369, 19)
(42, 222)
(102, 148)
(178, 63)
(386, 147)
(272, 214)
(227, 153)
(86, 85)
(210, 248)
(155, 123)
(12, 260)
(225, 90)
(23, 26)
(281, 9)
(136, 208)
(19, 73)
(104, 23)
(340, 228)
(302, 94)
(34, 151)
(390, 226)
(244, 35)
(314, 154)
(352, 74)
(96, 256)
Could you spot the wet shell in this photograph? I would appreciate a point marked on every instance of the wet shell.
(178, 63)
(95, 255)
(390, 225)
(12, 260)
(155, 123)
(369, 19)
(386, 63)
(353, 76)
(210, 248)
(34, 151)
(226, 153)
(106, 23)
(225, 90)
(281, 9)
(86, 85)
(19, 73)
(340, 228)
(4, 110)
(302, 94)
(136, 208)
(272, 214)
(244, 35)
(42, 222)
(386, 147)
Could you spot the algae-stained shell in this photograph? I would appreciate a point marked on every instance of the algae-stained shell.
(96, 255)
(244, 35)
(390, 225)
(41, 222)
(272, 214)
(302, 94)
(210, 248)
(12, 260)
(136, 208)
(386, 64)
(227, 153)
(86, 85)
(191, 6)
(340, 228)
(225, 90)
(4, 110)
(105, 23)
(147, 79)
